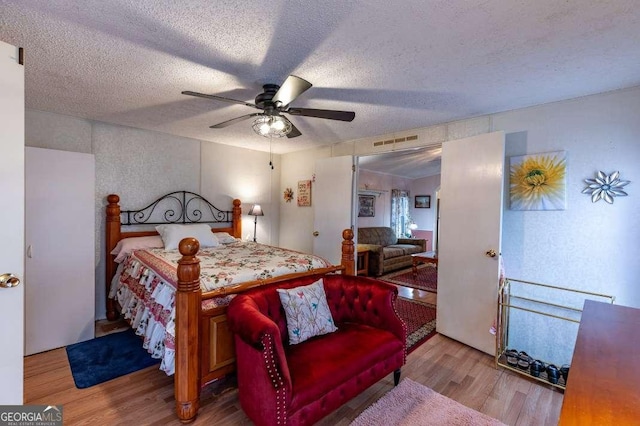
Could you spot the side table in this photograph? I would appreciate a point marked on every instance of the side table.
(362, 262)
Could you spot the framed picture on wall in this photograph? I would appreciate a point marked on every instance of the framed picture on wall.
(366, 205)
(423, 202)
(538, 181)
(304, 193)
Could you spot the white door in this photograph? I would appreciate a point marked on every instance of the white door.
(332, 195)
(470, 226)
(11, 223)
(60, 189)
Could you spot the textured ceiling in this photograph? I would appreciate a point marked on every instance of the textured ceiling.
(397, 64)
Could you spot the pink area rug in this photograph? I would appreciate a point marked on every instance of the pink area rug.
(411, 403)
(420, 319)
(426, 279)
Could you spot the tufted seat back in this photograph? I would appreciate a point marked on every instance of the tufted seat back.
(350, 299)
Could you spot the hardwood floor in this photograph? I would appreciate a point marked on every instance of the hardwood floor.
(416, 294)
(146, 397)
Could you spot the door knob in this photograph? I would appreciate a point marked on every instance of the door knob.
(9, 280)
(316, 233)
(490, 253)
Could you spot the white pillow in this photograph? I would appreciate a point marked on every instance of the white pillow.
(172, 234)
(224, 237)
(127, 245)
(307, 312)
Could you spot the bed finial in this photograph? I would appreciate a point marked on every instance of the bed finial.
(189, 247)
(188, 306)
(237, 218)
(112, 238)
(347, 252)
(113, 208)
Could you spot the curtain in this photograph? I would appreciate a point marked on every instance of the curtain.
(400, 212)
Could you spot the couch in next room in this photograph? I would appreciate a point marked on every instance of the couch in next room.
(386, 251)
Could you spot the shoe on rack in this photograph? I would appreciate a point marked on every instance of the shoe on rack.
(553, 374)
(512, 357)
(536, 368)
(524, 360)
(564, 370)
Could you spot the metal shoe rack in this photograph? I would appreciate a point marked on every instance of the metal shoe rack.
(509, 300)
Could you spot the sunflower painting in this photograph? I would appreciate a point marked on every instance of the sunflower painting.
(537, 181)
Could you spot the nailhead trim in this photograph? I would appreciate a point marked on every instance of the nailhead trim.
(276, 379)
(404, 328)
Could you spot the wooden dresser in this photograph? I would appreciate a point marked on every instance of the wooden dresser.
(604, 380)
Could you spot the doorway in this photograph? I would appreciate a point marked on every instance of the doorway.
(413, 171)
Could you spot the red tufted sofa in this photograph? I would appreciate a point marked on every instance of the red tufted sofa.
(282, 384)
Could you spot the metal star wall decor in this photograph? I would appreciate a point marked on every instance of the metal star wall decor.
(605, 187)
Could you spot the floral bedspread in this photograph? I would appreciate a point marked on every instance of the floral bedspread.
(146, 282)
(234, 263)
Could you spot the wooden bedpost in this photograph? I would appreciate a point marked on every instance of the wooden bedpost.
(188, 306)
(237, 219)
(347, 253)
(112, 236)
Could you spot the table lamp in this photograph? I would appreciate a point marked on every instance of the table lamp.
(256, 211)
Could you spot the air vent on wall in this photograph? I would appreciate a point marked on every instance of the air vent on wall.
(398, 140)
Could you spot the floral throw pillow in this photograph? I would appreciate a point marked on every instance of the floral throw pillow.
(307, 312)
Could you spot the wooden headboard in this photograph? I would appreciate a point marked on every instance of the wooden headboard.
(180, 207)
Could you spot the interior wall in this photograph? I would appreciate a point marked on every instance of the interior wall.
(382, 183)
(229, 172)
(56, 131)
(141, 165)
(423, 217)
(587, 246)
(296, 223)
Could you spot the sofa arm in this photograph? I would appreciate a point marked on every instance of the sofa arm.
(364, 301)
(415, 241)
(255, 329)
(246, 320)
(264, 392)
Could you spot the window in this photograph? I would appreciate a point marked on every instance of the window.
(400, 218)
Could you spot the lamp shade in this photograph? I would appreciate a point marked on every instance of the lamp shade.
(256, 210)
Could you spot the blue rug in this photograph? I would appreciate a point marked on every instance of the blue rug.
(107, 357)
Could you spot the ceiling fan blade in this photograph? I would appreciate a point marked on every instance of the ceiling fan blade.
(219, 98)
(291, 88)
(323, 113)
(233, 121)
(294, 133)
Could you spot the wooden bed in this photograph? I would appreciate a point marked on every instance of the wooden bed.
(204, 349)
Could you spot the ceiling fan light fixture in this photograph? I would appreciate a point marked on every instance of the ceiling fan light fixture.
(271, 126)
(264, 128)
(273, 102)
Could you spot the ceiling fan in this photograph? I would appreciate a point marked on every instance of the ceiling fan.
(274, 102)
